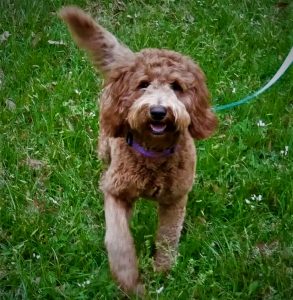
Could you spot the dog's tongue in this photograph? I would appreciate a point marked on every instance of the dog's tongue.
(158, 128)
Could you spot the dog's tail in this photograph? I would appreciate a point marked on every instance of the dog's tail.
(103, 47)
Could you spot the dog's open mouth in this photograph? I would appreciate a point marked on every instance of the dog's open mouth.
(158, 128)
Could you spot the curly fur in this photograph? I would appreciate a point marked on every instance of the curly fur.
(134, 83)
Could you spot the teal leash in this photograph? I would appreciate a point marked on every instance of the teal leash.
(284, 67)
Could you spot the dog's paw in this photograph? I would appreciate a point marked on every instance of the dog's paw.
(137, 290)
(164, 261)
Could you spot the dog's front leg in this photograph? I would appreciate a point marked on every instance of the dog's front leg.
(120, 246)
(171, 218)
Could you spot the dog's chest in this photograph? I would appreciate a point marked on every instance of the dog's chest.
(165, 181)
(155, 181)
(131, 176)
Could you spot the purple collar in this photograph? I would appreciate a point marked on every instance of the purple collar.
(148, 153)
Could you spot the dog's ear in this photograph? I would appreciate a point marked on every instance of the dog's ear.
(115, 103)
(105, 50)
(112, 114)
(203, 120)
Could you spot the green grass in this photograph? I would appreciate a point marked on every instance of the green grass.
(51, 211)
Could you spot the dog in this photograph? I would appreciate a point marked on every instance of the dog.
(154, 104)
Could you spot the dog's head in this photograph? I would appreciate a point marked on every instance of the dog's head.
(155, 93)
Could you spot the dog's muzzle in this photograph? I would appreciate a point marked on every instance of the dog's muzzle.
(158, 113)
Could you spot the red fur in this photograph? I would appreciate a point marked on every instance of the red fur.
(134, 82)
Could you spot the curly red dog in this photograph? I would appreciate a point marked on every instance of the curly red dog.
(154, 104)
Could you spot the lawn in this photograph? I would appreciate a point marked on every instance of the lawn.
(237, 241)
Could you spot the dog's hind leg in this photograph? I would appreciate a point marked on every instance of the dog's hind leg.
(171, 218)
(120, 245)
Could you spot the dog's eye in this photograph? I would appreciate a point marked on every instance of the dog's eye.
(176, 87)
(143, 85)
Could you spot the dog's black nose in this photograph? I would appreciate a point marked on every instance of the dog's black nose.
(158, 112)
